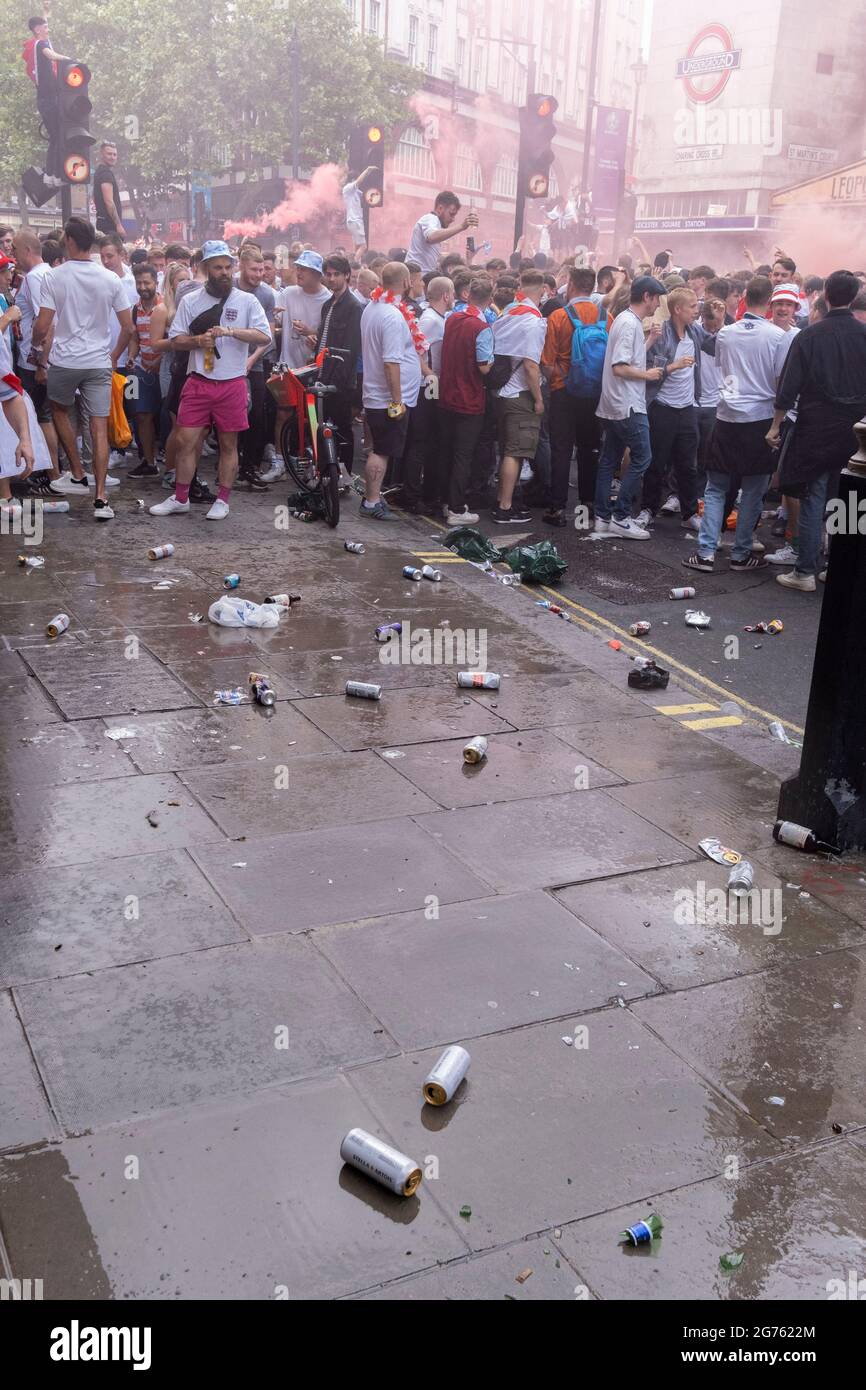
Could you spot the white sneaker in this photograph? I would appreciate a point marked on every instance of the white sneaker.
(628, 529)
(168, 507)
(525, 472)
(109, 481)
(823, 576)
(217, 511)
(643, 518)
(692, 524)
(269, 454)
(671, 506)
(464, 518)
(758, 547)
(116, 459)
(66, 483)
(209, 450)
(601, 527)
(786, 556)
(102, 511)
(276, 471)
(804, 582)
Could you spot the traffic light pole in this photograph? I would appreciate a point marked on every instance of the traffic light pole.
(296, 105)
(65, 203)
(520, 202)
(590, 99)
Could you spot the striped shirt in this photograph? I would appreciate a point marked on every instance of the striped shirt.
(147, 358)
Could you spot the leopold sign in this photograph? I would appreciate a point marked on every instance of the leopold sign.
(709, 62)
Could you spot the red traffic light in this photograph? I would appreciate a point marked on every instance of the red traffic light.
(545, 106)
(374, 134)
(76, 75)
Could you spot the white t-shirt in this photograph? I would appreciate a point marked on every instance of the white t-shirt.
(297, 304)
(354, 209)
(750, 356)
(29, 302)
(131, 293)
(432, 325)
(678, 388)
(422, 251)
(626, 346)
(240, 310)
(385, 337)
(519, 335)
(86, 299)
(711, 382)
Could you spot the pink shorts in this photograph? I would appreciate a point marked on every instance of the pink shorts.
(221, 403)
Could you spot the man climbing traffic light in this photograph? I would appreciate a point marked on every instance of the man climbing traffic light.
(41, 61)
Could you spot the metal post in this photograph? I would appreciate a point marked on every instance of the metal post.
(520, 202)
(296, 105)
(590, 98)
(829, 792)
(65, 203)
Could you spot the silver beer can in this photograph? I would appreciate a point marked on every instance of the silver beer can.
(354, 547)
(475, 750)
(410, 572)
(479, 680)
(160, 552)
(449, 1071)
(57, 625)
(741, 879)
(430, 573)
(365, 690)
(379, 1161)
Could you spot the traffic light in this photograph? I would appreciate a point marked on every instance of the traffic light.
(367, 148)
(74, 108)
(537, 130)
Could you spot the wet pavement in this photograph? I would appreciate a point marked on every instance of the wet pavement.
(230, 934)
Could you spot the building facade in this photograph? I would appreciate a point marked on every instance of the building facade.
(477, 57)
(735, 111)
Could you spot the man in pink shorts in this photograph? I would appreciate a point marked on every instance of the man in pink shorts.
(218, 326)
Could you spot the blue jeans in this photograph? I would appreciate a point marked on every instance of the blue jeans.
(752, 488)
(632, 434)
(811, 527)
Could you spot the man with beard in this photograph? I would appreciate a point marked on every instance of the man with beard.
(147, 397)
(250, 279)
(216, 325)
(340, 329)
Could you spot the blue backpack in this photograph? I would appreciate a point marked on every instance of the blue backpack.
(588, 346)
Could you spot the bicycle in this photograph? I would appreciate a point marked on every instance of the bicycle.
(308, 444)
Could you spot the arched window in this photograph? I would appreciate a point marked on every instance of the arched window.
(414, 156)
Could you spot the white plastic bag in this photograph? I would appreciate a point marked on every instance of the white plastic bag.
(231, 611)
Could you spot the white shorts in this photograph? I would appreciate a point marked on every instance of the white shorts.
(359, 236)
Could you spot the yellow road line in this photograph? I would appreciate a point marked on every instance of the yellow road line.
(685, 709)
(593, 622)
(724, 721)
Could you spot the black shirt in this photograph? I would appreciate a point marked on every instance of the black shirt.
(105, 175)
(46, 78)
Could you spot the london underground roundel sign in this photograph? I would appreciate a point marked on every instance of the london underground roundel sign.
(709, 62)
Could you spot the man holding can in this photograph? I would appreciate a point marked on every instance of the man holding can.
(216, 325)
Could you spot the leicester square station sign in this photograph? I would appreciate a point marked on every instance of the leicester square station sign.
(709, 62)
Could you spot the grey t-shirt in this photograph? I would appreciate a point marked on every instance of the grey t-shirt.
(266, 297)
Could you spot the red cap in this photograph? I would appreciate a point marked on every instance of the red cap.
(5, 262)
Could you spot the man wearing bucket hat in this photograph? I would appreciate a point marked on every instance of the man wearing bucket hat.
(301, 308)
(216, 325)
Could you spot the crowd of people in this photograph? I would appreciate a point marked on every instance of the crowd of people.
(466, 387)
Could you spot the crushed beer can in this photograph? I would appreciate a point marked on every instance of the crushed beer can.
(695, 618)
(442, 1082)
(384, 632)
(283, 600)
(57, 625)
(31, 562)
(364, 690)
(160, 552)
(231, 581)
(715, 850)
(774, 627)
(49, 508)
(381, 1162)
(686, 592)
(640, 629)
(261, 689)
(741, 879)
(478, 680)
(428, 572)
(354, 547)
(409, 572)
(475, 751)
(642, 1232)
(228, 697)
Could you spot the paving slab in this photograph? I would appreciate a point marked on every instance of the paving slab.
(292, 883)
(76, 919)
(92, 821)
(317, 630)
(245, 1201)
(681, 925)
(22, 623)
(549, 840)
(312, 792)
(183, 644)
(326, 673)
(25, 704)
(25, 1117)
(733, 806)
(795, 1034)
(542, 1133)
(533, 762)
(489, 1278)
(568, 698)
(841, 884)
(226, 734)
(58, 753)
(204, 675)
(653, 748)
(478, 967)
(798, 1222)
(177, 1032)
(142, 607)
(100, 679)
(400, 716)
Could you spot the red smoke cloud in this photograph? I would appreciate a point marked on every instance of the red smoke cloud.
(303, 203)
